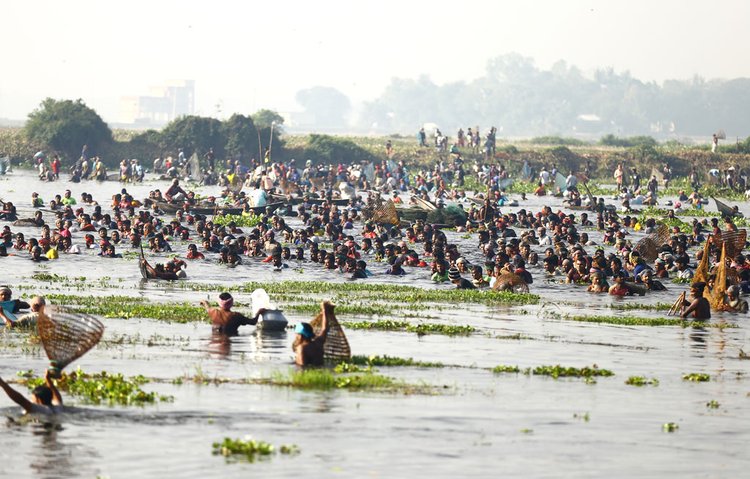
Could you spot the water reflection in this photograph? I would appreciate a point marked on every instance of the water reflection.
(699, 338)
(220, 345)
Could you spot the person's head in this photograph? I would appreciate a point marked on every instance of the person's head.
(697, 288)
(37, 303)
(226, 301)
(304, 331)
(733, 292)
(42, 395)
(5, 293)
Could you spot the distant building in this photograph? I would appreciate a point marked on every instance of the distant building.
(164, 104)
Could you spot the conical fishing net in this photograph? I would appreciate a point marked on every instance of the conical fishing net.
(648, 246)
(717, 294)
(67, 336)
(701, 272)
(734, 241)
(336, 346)
(508, 281)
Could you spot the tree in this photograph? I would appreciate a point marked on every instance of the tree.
(66, 125)
(265, 118)
(241, 137)
(194, 134)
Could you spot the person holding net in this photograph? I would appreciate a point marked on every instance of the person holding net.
(45, 399)
(309, 347)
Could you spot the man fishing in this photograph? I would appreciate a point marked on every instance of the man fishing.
(45, 399)
(309, 347)
(699, 307)
(226, 321)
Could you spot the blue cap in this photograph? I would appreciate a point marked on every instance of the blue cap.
(305, 330)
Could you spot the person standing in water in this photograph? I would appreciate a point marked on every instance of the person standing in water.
(308, 347)
(226, 321)
(45, 399)
(699, 307)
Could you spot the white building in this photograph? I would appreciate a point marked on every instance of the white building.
(165, 103)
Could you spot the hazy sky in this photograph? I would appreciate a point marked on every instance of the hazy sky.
(252, 55)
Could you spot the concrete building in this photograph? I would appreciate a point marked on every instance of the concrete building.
(162, 105)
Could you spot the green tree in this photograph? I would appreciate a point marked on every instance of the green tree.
(265, 118)
(66, 125)
(194, 134)
(241, 137)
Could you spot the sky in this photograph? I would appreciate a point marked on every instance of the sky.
(246, 55)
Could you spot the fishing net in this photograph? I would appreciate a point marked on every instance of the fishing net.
(734, 241)
(66, 336)
(508, 281)
(717, 294)
(336, 346)
(648, 246)
(384, 213)
(701, 272)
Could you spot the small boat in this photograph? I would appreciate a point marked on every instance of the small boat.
(296, 200)
(214, 210)
(726, 210)
(149, 272)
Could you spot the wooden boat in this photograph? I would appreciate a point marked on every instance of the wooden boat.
(726, 210)
(149, 272)
(423, 204)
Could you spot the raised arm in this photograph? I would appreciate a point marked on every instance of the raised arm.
(56, 397)
(17, 397)
(327, 308)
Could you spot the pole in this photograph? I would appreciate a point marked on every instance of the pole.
(270, 142)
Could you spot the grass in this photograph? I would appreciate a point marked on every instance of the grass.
(249, 449)
(505, 369)
(103, 388)
(713, 404)
(130, 307)
(696, 377)
(670, 427)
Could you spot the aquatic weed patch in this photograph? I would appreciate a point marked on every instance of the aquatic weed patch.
(696, 377)
(390, 361)
(249, 449)
(641, 381)
(104, 388)
(419, 328)
(644, 321)
(326, 379)
(505, 369)
(131, 307)
(558, 371)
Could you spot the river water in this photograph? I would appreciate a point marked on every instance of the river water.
(474, 424)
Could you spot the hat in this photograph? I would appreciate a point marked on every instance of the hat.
(5, 290)
(454, 274)
(461, 260)
(304, 330)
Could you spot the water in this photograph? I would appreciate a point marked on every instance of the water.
(479, 425)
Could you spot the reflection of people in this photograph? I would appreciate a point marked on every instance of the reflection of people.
(45, 399)
(226, 321)
(308, 347)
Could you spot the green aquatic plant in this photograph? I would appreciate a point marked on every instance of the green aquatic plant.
(389, 361)
(326, 379)
(558, 371)
(104, 388)
(643, 321)
(419, 328)
(249, 449)
(696, 377)
(713, 404)
(641, 381)
(503, 368)
(247, 221)
(670, 427)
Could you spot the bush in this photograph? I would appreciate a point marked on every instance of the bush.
(194, 134)
(329, 149)
(633, 141)
(557, 140)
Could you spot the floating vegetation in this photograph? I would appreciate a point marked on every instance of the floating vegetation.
(103, 388)
(325, 379)
(380, 292)
(389, 361)
(641, 381)
(505, 369)
(249, 449)
(585, 417)
(239, 220)
(643, 321)
(131, 307)
(56, 278)
(558, 371)
(343, 309)
(713, 404)
(419, 328)
(644, 307)
(527, 430)
(670, 427)
(696, 377)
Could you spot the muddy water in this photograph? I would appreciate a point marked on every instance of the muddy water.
(478, 425)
